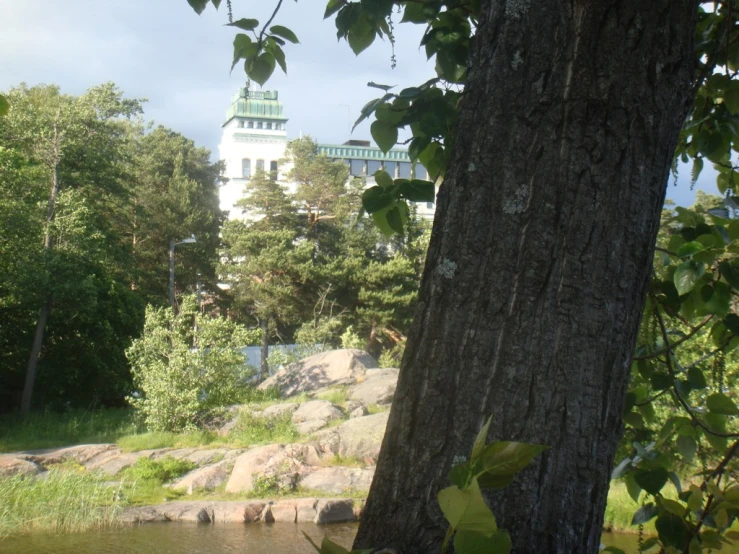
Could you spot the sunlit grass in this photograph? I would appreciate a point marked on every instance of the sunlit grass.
(63, 501)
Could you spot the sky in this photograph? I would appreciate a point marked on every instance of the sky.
(163, 51)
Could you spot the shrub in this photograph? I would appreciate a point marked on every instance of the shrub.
(182, 372)
(162, 470)
(350, 339)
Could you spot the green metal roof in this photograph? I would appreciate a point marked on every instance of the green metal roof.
(362, 153)
(255, 105)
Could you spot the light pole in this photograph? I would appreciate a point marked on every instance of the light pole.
(172, 244)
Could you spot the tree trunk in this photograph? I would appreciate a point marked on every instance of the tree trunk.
(263, 365)
(43, 315)
(538, 264)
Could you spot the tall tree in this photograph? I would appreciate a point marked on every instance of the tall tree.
(264, 263)
(66, 136)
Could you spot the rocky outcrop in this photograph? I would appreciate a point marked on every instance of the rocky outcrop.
(208, 478)
(278, 410)
(378, 387)
(360, 438)
(337, 367)
(251, 464)
(17, 466)
(299, 510)
(339, 480)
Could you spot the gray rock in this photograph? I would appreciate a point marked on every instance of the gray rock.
(317, 409)
(335, 511)
(305, 509)
(16, 466)
(209, 456)
(337, 367)
(145, 514)
(204, 478)
(339, 480)
(82, 454)
(111, 465)
(378, 387)
(196, 512)
(308, 427)
(358, 412)
(283, 511)
(277, 410)
(360, 437)
(237, 511)
(250, 464)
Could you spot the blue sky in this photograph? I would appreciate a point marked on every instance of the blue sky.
(161, 50)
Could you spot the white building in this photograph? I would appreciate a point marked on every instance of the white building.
(255, 137)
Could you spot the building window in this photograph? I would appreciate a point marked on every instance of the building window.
(391, 168)
(273, 170)
(356, 167)
(268, 126)
(429, 205)
(260, 165)
(421, 172)
(241, 124)
(259, 124)
(246, 168)
(372, 167)
(250, 125)
(404, 170)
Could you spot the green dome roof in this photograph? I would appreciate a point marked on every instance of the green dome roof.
(255, 104)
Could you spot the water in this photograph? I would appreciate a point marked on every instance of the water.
(185, 538)
(226, 538)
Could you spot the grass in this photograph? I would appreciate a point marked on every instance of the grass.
(49, 430)
(344, 461)
(63, 502)
(336, 396)
(253, 430)
(164, 439)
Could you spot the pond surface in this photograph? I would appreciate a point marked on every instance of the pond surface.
(188, 538)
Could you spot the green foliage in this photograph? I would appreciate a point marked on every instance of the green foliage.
(350, 339)
(163, 470)
(183, 372)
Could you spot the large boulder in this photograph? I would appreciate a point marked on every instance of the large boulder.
(360, 437)
(378, 387)
(279, 410)
(339, 480)
(10, 466)
(317, 409)
(249, 465)
(337, 367)
(205, 478)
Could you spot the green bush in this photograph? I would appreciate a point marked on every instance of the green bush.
(162, 470)
(182, 373)
(252, 429)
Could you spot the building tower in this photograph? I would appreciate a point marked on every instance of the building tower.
(254, 137)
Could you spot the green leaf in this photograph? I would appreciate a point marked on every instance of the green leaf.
(330, 547)
(696, 378)
(672, 530)
(673, 507)
(502, 461)
(479, 445)
(731, 100)
(245, 24)
(687, 275)
(361, 35)
(414, 12)
(690, 248)
(644, 514)
(730, 272)
(470, 542)
(4, 105)
(380, 219)
(687, 447)
(279, 55)
(376, 198)
(284, 32)
(417, 190)
(632, 488)
(383, 179)
(395, 219)
(385, 134)
(651, 480)
(261, 69)
(466, 510)
(461, 474)
(198, 5)
(332, 7)
(719, 403)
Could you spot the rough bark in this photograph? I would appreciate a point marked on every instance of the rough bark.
(539, 259)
